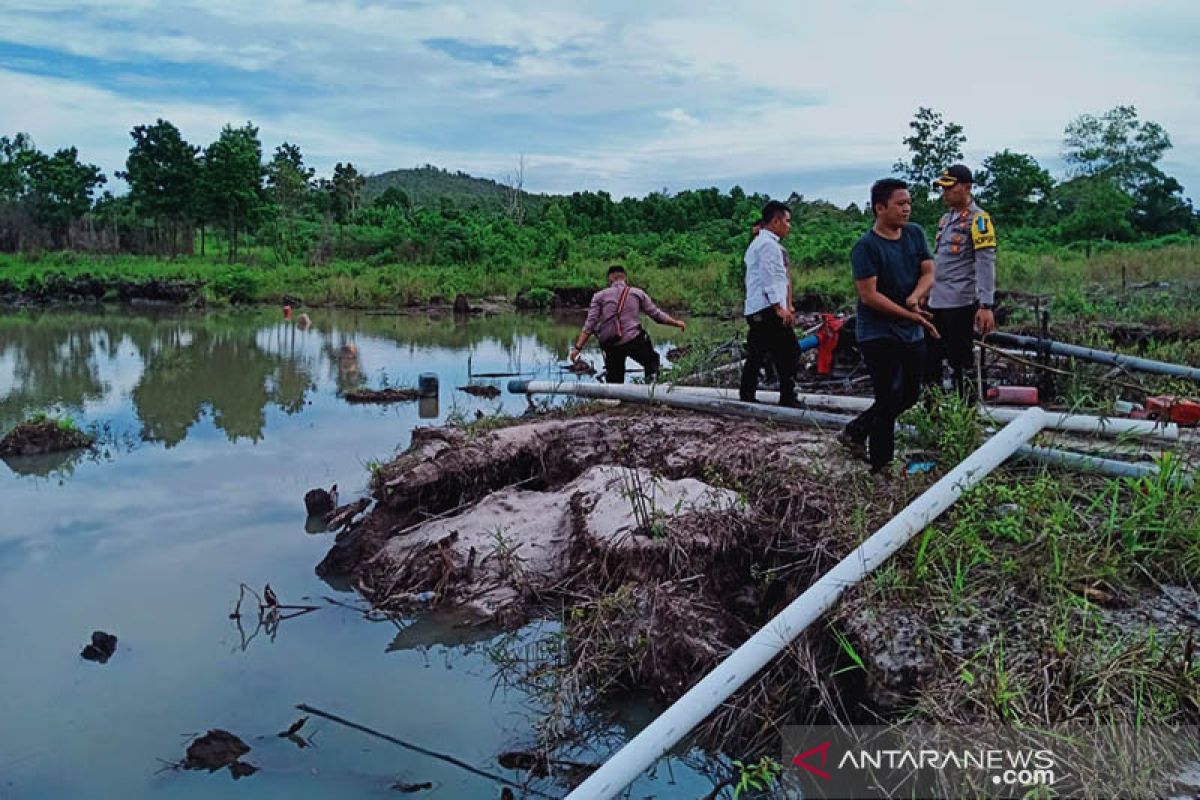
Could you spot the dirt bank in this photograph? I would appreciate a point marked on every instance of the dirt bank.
(663, 539)
(60, 289)
(39, 437)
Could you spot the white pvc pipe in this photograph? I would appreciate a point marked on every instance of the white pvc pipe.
(744, 663)
(676, 396)
(668, 395)
(1075, 423)
(1085, 462)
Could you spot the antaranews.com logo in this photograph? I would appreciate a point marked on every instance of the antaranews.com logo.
(951, 762)
(1025, 768)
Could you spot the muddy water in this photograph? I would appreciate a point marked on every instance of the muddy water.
(213, 427)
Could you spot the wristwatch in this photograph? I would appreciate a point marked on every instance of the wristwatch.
(985, 306)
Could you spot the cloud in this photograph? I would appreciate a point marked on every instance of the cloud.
(679, 116)
(622, 96)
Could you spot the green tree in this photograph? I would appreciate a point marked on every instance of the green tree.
(393, 197)
(15, 156)
(1160, 207)
(1013, 187)
(288, 184)
(60, 191)
(1118, 146)
(163, 173)
(1094, 207)
(233, 175)
(1115, 145)
(556, 236)
(934, 144)
(16, 224)
(115, 218)
(345, 191)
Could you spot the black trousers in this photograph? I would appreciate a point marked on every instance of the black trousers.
(770, 339)
(640, 350)
(957, 346)
(896, 369)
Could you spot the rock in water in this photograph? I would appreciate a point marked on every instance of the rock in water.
(44, 436)
(318, 502)
(102, 647)
(217, 749)
(461, 304)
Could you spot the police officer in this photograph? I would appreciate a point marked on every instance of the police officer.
(964, 285)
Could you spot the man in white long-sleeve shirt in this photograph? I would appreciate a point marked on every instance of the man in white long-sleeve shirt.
(768, 308)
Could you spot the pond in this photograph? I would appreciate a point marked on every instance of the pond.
(212, 427)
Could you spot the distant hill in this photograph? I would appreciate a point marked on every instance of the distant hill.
(426, 185)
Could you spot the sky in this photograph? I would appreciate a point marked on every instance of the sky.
(626, 97)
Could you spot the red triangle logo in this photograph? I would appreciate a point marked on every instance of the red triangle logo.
(801, 760)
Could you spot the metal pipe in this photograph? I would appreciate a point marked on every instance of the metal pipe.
(1075, 423)
(744, 663)
(1085, 462)
(1034, 343)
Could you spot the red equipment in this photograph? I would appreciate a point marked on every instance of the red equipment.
(1169, 408)
(827, 341)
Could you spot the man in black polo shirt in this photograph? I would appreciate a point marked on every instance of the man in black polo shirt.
(893, 273)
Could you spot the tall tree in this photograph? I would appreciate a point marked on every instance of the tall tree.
(233, 180)
(1013, 187)
(346, 188)
(1126, 150)
(17, 154)
(163, 172)
(934, 144)
(1115, 145)
(1160, 207)
(288, 184)
(60, 190)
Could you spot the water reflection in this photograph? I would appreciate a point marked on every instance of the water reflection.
(63, 463)
(243, 414)
(233, 368)
(225, 373)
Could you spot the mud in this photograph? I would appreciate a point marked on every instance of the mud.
(42, 437)
(55, 288)
(516, 545)
(516, 522)
(382, 396)
(736, 519)
(480, 390)
(561, 297)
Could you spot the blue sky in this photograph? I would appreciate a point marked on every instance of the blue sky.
(628, 97)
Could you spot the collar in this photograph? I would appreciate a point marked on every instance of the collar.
(768, 233)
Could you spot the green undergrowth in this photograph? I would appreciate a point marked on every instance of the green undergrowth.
(1102, 285)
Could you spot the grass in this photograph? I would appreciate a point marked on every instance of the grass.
(1024, 586)
(64, 424)
(710, 285)
(1044, 561)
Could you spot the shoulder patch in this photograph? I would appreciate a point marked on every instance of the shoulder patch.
(982, 233)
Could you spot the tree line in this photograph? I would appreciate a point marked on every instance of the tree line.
(182, 196)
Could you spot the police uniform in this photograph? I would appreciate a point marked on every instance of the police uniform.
(964, 258)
